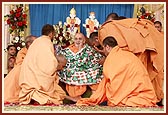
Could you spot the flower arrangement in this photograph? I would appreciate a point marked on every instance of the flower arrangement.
(17, 22)
(62, 37)
(19, 43)
(16, 19)
(144, 14)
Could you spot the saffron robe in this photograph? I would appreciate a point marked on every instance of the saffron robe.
(38, 79)
(11, 81)
(126, 82)
(82, 70)
(144, 40)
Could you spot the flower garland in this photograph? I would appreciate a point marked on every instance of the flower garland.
(144, 14)
(62, 37)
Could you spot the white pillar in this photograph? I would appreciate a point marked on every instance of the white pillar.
(5, 37)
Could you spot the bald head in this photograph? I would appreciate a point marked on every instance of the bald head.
(80, 35)
(61, 61)
(79, 40)
(29, 40)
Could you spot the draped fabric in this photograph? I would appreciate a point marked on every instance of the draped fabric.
(38, 79)
(41, 14)
(125, 83)
(144, 40)
(11, 81)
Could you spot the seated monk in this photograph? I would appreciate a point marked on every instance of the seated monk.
(126, 81)
(38, 79)
(11, 81)
(82, 68)
(147, 43)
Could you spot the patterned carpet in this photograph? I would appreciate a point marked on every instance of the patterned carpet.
(83, 109)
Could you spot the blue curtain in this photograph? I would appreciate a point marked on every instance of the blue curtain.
(41, 14)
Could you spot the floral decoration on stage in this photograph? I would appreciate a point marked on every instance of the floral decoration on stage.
(16, 19)
(62, 37)
(17, 22)
(145, 14)
(19, 43)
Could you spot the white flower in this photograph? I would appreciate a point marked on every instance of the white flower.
(60, 38)
(64, 31)
(64, 34)
(54, 27)
(18, 48)
(17, 38)
(15, 19)
(58, 32)
(23, 44)
(64, 27)
(16, 41)
(60, 23)
(56, 35)
(54, 41)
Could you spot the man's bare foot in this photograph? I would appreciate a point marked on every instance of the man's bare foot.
(74, 99)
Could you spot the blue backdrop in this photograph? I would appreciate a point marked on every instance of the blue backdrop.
(41, 14)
